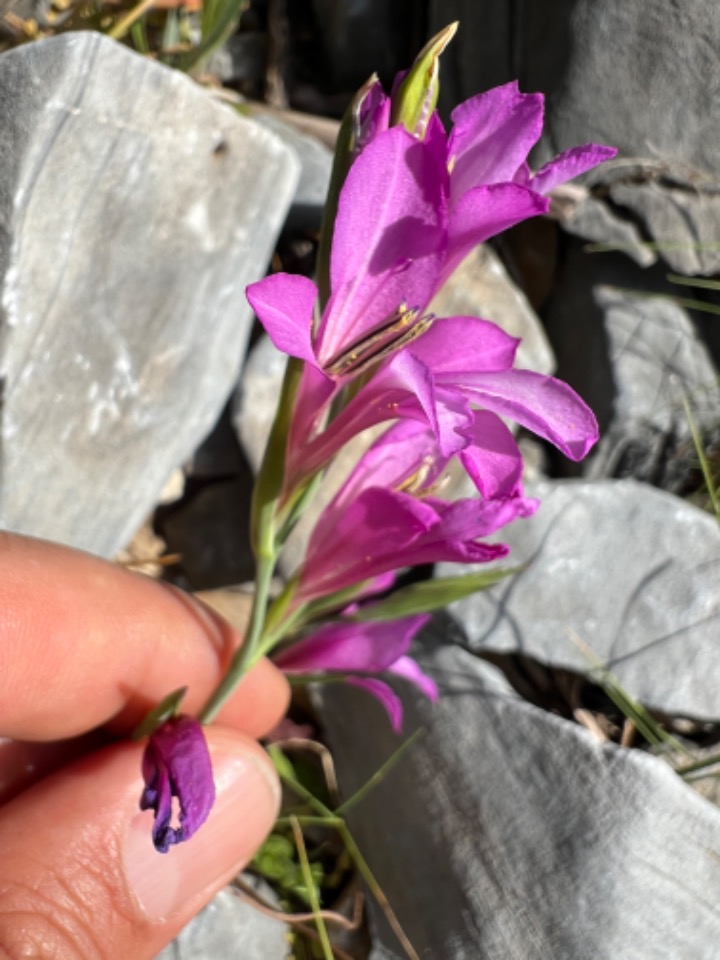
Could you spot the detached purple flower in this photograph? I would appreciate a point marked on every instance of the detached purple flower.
(359, 647)
(176, 763)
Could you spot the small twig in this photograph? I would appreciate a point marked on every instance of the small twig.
(123, 25)
(628, 733)
(312, 892)
(587, 719)
(246, 893)
(380, 774)
(328, 766)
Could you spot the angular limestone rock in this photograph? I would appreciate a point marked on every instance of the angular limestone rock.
(506, 832)
(134, 209)
(625, 569)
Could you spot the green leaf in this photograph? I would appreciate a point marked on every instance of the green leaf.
(417, 97)
(167, 708)
(432, 594)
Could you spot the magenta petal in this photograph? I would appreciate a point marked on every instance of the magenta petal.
(347, 646)
(465, 343)
(355, 543)
(284, 305)
(542, 404)
(492, 460)
(570, 164)
(176, 763)
(387, 697)
(407, 668)
(491, 136)
(389, 239)
(486, 211)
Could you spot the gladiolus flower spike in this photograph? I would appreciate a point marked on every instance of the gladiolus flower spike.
(409, 211)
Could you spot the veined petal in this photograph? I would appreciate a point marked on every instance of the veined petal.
(407, 668)
(465, 343)
(569, 164)
(347, 646)
(387, 697)
(284, 305)
(484, 211)
(491, 136)
(388, 241)
(548, 407)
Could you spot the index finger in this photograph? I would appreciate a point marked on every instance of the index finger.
(84, 642)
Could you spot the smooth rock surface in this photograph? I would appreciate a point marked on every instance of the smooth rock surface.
(229, 928)
(316, 166)
(134, 209)
(506, 832)
(625, 569)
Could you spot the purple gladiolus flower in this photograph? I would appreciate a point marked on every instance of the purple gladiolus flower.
(363, 647)
(176, 763)
(410, 210)
(385, 516)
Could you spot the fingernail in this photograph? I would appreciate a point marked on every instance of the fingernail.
(246, 805)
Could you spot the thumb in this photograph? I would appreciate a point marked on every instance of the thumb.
(79, 875)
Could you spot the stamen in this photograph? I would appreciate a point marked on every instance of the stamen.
(401, 327)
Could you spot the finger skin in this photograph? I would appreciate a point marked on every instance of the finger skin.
(79, 879)
(84, 643)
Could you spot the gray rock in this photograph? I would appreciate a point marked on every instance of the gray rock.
(632, 351)
(625, 569)
(481, 287)
(635, 201)
(506, 832)
(133, 211)
(316, 166)
(610, 70)
(227, 929)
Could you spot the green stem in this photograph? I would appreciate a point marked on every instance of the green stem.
(311, 889)
(248, 654)
(266, 496)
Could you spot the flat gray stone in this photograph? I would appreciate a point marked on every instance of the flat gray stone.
(629, 570)
(229, 928)
(506, 832)
(134, 209)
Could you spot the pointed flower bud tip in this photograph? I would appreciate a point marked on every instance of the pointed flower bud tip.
(176, 763)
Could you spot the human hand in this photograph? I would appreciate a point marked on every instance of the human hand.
(86, 649)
